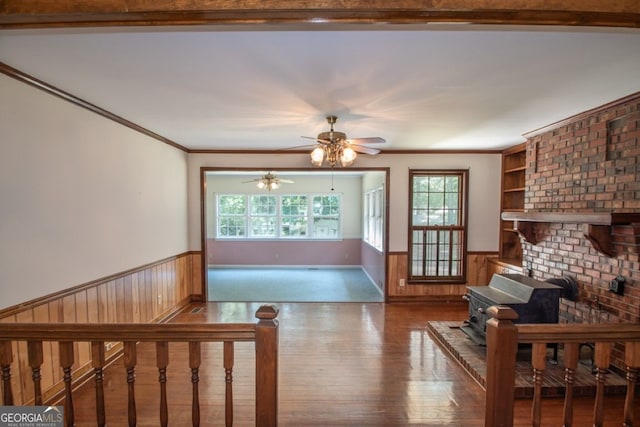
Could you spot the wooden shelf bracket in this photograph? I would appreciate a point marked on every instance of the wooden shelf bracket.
(600, 238)
(527, 230)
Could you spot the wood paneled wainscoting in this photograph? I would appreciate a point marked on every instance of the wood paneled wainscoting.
(477, 274)
(149, 293)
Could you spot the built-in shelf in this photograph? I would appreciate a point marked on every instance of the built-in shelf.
(512, 190)
(516, 169)
(599, 233)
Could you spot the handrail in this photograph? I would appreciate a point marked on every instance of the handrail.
(578, 332)
(503, 337)
(142, 332)
(264, 333)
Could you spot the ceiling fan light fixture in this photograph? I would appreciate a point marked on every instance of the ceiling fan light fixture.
(317, 156)
(334, 147)
(269, 182)
(347, 156)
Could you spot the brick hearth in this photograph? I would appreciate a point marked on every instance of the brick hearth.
(471, 357)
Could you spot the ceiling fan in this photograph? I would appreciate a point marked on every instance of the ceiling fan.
(336, 149)
(269, 181)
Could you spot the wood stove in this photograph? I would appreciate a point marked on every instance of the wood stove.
(534, 301)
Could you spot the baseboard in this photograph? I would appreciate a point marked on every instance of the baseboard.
(282, 266)
(440, 299)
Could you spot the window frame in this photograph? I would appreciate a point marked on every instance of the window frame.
(461, 228)
(373, 215)
(313, 228)
(282, 216)
(219, 217)
(253, 215)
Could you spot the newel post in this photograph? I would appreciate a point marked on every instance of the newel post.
(502, 346)
(267, 366)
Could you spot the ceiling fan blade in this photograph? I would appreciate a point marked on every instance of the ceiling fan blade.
(251, 180)
(370, 140)
(365, 150)
(321, 141)
(296, 147)
(286, 181)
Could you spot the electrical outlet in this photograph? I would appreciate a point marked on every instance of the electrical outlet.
(159, 299)
(401, 282)
(617, 285)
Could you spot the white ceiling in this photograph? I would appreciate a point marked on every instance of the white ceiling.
(429, 87)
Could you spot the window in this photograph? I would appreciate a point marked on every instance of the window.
(299, 216)
(437, 238)
(262, 218)
(326, 216)
(232, 215)
(373, 214)
(293, 222)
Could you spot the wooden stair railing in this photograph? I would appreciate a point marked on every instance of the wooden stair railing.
(503, 337)
(264, 333)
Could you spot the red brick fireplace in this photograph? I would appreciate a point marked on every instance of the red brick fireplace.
(589, 163)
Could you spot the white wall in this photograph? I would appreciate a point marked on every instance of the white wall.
(484, 188)
(373, 180)
(82, 197)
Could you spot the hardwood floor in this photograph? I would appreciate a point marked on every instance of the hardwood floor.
(350, 364)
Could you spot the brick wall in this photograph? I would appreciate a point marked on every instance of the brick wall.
(588, 163)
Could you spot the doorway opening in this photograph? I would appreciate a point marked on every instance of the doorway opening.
(318, 226)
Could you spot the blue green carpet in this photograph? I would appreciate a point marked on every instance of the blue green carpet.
(291, 285)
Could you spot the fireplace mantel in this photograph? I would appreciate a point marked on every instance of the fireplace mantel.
(600, 223)
(595, 218)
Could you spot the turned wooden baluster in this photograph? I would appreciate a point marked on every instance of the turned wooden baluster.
(267, 366)
(66, 362)
(539, 363)
(571, 351)
(6, 358)
(228, 379)
(162, 361)
(130, 361)
(602, 360)
(194, 364)
(632, 360)
(98, 362)
(36, 357)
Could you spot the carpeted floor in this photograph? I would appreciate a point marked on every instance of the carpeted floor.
(291, 285)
